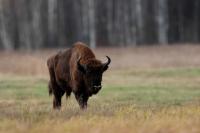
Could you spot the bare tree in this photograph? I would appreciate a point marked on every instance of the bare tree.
(133, 21)
(162, 22)
(180, 19)
(196, 21)
(85, 20)
(110, 22)
(127, 25)
(52, 22)
(92, 31)
(24, 24)
(139, 21)
(5, 36)
(36, 24)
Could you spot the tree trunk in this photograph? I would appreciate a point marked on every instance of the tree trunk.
(92, 31)
(52, 22)
(133, 23)
(196, 21)
(36, 24)
(162, 22)
(5, 36)
(127, 18)
(181, 27)
(85, 21)
(24, 24)
(139, 21)
(110, 22)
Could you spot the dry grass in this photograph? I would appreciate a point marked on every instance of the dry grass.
(127, 119)
(34, 63)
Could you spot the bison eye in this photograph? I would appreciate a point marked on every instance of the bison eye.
(82, 68)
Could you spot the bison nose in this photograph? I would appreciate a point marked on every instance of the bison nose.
(97, 87)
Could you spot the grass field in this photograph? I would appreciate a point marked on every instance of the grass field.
(150, 95)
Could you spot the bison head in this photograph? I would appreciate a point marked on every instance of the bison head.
(92, 71)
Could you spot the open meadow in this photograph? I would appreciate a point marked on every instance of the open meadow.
(146, 90)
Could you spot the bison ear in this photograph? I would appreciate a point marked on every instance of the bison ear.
(105, 65)
(81, 68)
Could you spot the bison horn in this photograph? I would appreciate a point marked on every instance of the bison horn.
(108, 62)
(105, 65)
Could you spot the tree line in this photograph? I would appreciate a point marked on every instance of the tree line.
(35, 24)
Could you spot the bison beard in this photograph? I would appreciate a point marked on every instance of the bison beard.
(75, 70)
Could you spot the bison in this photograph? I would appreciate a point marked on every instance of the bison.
(75, 70)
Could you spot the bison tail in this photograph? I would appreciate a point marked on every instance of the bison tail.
(50, 89)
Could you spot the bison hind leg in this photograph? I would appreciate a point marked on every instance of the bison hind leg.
(50, 88)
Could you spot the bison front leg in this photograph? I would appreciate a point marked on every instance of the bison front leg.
(82, 100)
(57, 98)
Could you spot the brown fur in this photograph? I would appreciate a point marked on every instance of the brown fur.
(65, 76)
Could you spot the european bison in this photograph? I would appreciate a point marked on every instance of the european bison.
(75, 70)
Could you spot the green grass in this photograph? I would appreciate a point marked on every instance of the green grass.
(130, 94)
(153, 87)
